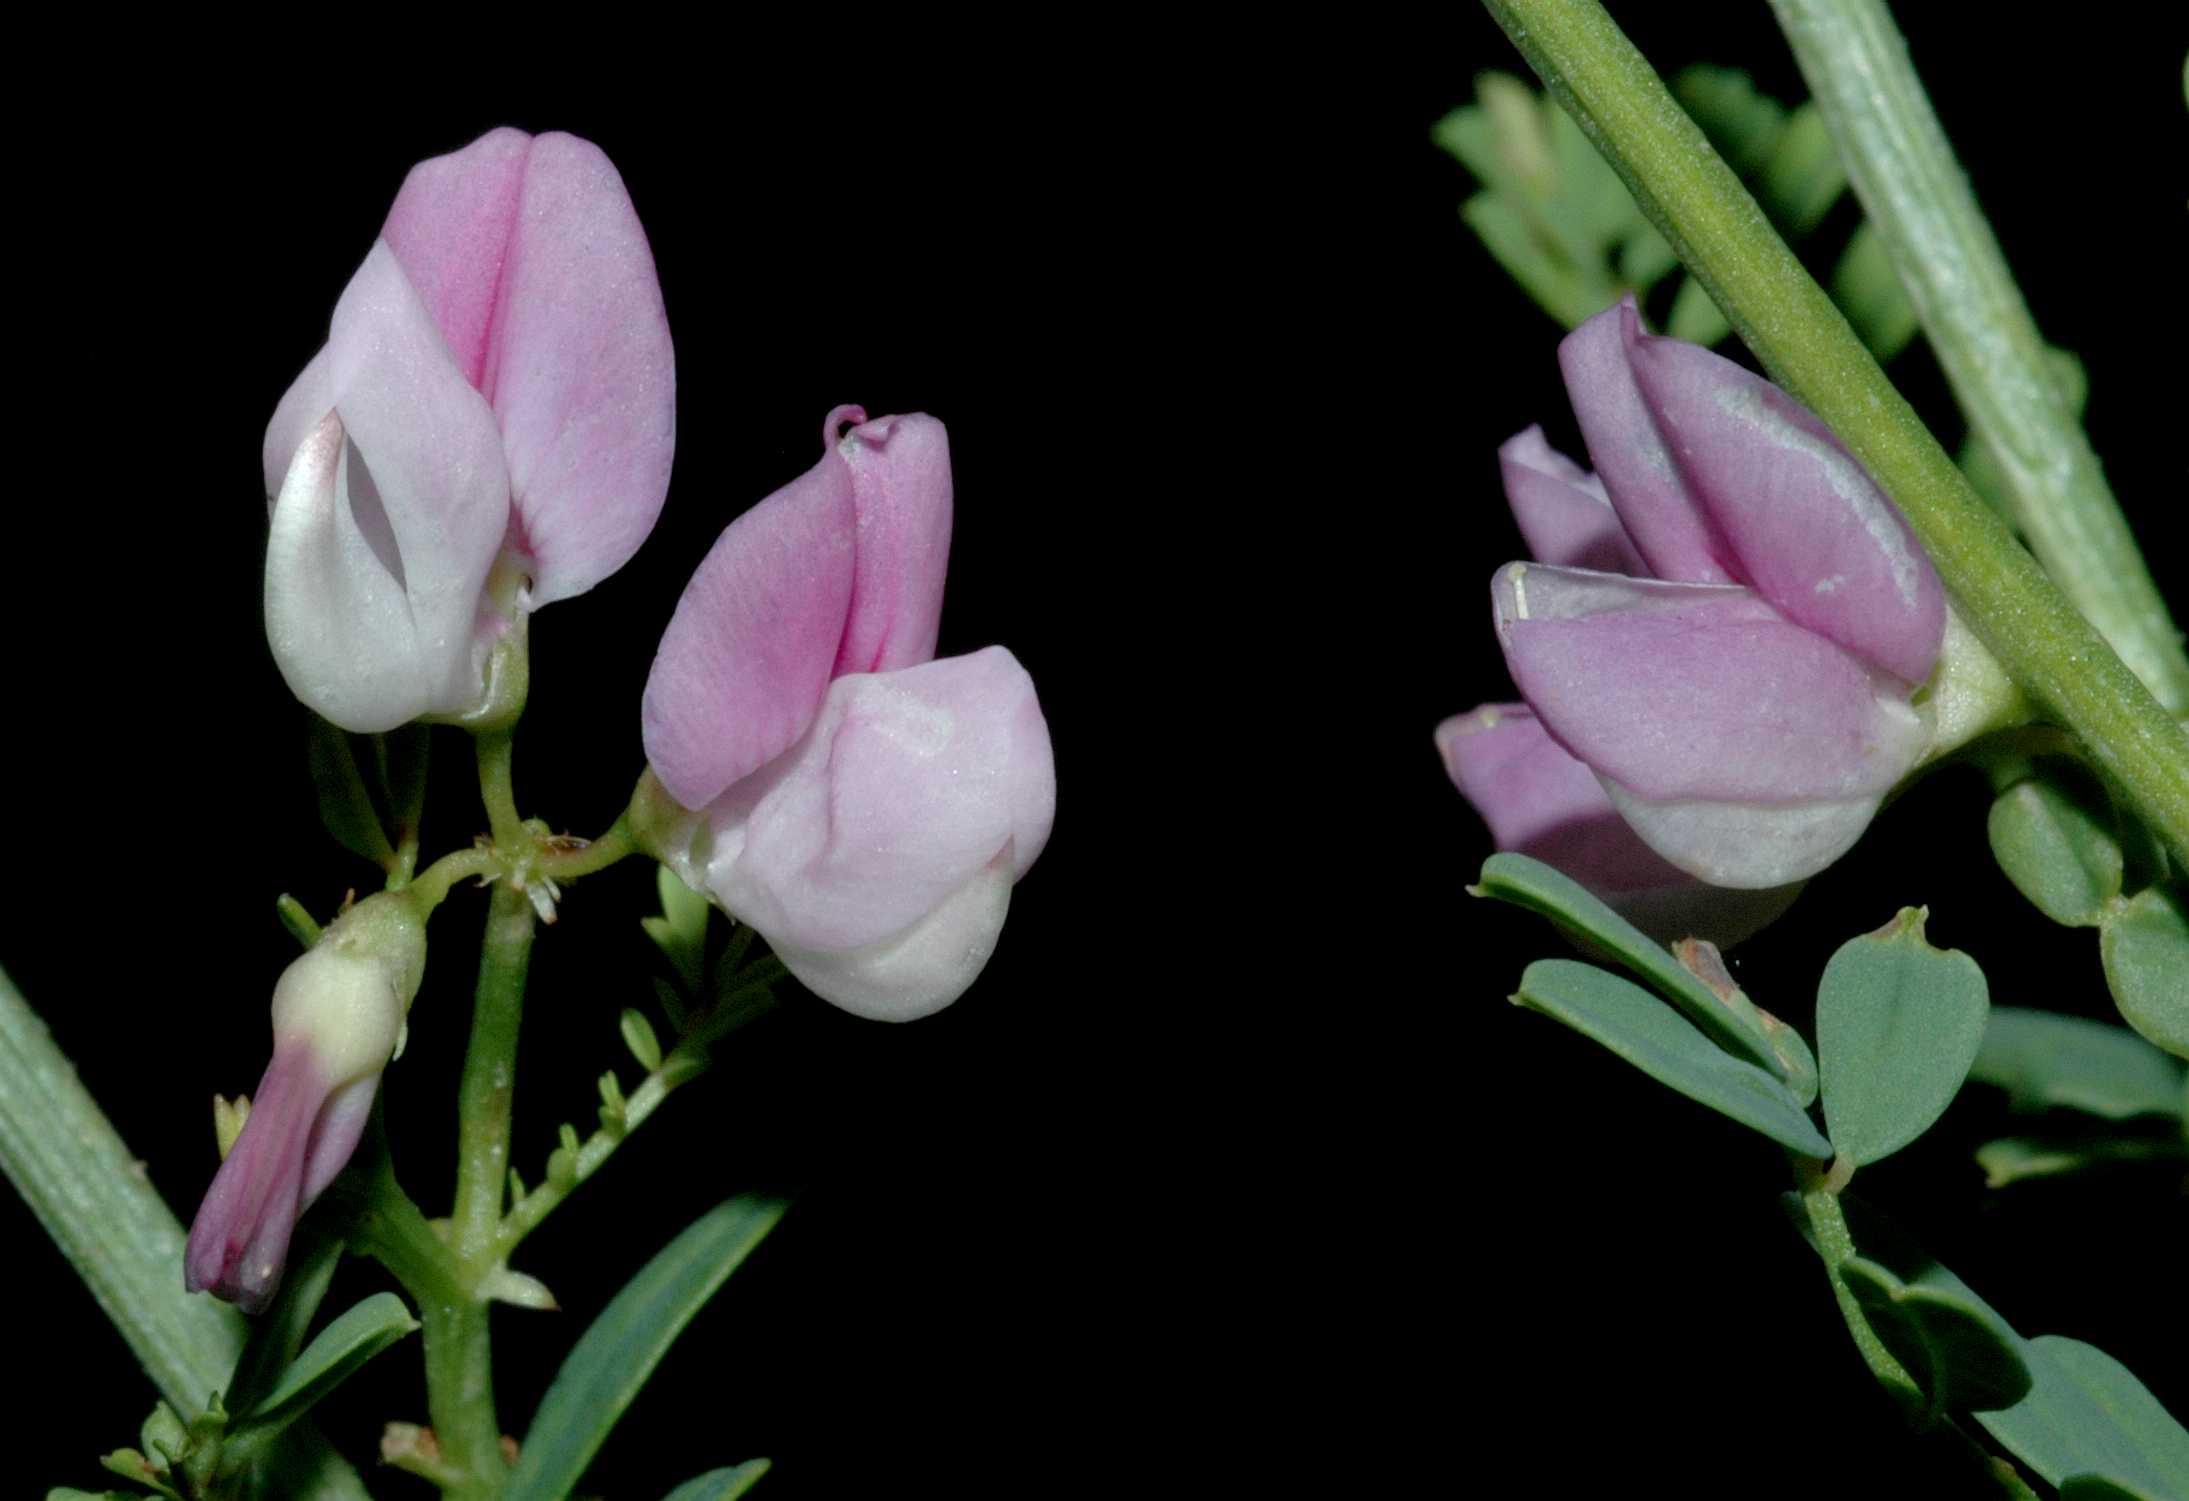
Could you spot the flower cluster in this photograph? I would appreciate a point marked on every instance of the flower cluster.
(489, 429)
(1718, 642)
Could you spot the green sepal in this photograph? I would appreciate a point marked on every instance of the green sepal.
(2044, 1061)
(721, 1485)
(353, 1337)
(1638, 1027)
(2145, 945)
(2087, 1418)
(1898, 1025)
(1529, 883)
(1963, 1355)
(2055, 835)
(613, 1359)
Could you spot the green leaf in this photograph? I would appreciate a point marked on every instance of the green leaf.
(2015, 1159)
(1639, 1028)
(1898, 1024)
(2055, 836)
(1803, 179)
(1742, 123)
(611, 1362)
(1529, 883)
(345, 807)
(721, 1485)
(353, 1337)
(401, 757)
(2145, 945)
(2044, 1060)
(94, 1198)
(278, 1334)
(681, 930)
(638, 1036)
(1868, 291)
(2098, 1488)
(1963, 1355)
(1695, 317)
(2088, 1416)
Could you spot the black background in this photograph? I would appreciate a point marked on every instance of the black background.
(1234, 1161)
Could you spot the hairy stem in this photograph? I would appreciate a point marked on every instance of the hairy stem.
(1690, 193)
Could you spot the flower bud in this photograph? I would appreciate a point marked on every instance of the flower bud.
(337, 1014)
(1726, 626)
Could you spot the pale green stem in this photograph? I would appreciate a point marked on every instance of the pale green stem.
(1919, 203)
(94, 1199)
(1808, 348)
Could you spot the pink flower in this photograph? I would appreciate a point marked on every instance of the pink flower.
(338, 1012)
(497, 382)
(1725, 629)
(864, 807)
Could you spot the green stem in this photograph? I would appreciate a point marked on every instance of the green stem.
(1808, 347)
(431, 886)
(497, 788)
(1945, 254)
(459, 1371)
(567, 862)
(685, 1062)
(1821, 1202)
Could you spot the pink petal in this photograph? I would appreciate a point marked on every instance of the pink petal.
(748, 654)
(1668, 526)
(335, 1133)
(240, 1237)
(1813, 534)
(388, 520)
(1749, 846)
(1563, 512)
(1542, 802)
(921, 970)
(451, 227)
(908, 786)
(1698, 691)
(900, 476)
(580, 370)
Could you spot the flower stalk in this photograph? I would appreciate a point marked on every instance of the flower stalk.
(1806, 346)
